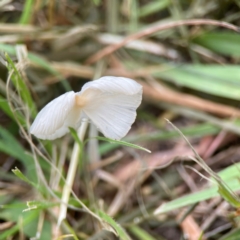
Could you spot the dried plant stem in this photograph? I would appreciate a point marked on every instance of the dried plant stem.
(215, 176)
(71, 172)
(157, 28)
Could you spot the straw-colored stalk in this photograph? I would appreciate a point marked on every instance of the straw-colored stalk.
(71, 172)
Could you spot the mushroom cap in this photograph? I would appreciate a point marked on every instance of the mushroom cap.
(54, 120)
(109, 102)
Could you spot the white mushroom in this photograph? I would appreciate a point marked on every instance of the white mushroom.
(109, 102)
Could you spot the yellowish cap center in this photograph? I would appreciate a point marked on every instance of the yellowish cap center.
(80, 101)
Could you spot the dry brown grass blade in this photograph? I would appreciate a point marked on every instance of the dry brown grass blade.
(231, 155)
(182, 99)
(17, 28)
(222, 139)
(140, 45)
(154, 161)
(69, 69)
(108, 177)
(121, 198)
(221, 209)
(149, 31)
(137, 171)
(204, 144)
(6, 225)
(190, 228)
(159, 93)
(104, 162)
(72, 36)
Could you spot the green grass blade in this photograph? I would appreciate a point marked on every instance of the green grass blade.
(76, 138)
(21, 86)
(28, 221)
(225, 43)
(27, 218)
(10, 146)
(21, 176)
(231, 172)
(142, 234)
(188, 200)
(198, 130)
(211, 79)
(38, 187)
(40, 61)
(97, 2)
(8, 48)
(123, 143)
(118, 229)
(27, 12)
(46, 65)
(153, 7)
(233, 235)
(228, 196)
(229, 175)
(7, 110)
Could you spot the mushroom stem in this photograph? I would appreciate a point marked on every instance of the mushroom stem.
(71, 172)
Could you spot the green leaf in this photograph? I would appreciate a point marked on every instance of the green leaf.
(225, 43)
(38, 187)
(97, 2)
(75, 136)
(20, 175)
(30, 205)
(10, 146)
(142, 234)
(198, 130)
(118, 229)
(6, 109)
(8, 48)
(21, 86)
(228, 196)
(28, 222)
(39, 205)
(153, 7)
(38, 60)
(233, 235)
(122, 143)
(31, 229)
(233, 184)
(211, 79)
(15, 215)
(27, 12)
(34, 58)
(194, 198)
(231, 172)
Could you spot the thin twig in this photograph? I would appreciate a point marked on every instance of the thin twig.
(149, 31)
